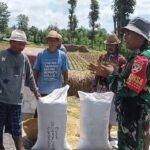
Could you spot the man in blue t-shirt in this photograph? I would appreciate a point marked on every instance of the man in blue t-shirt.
(51, 66)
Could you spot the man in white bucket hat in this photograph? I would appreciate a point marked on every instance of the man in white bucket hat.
(15, 71)
(133, 94)
(18, 35)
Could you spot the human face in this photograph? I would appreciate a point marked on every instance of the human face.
(17, 46)
(133, 40)
(111, 48)
(52, 44)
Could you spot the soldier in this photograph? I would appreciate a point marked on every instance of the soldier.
(133, 94)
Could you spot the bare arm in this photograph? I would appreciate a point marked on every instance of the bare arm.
(30, 81)
(65, 76)
(36, 76)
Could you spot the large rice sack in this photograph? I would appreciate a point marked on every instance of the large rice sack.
(94, 120)
(52, 118)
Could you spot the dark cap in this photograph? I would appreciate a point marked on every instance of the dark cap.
(140, 26)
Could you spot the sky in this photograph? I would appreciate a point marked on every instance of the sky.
(43, 13)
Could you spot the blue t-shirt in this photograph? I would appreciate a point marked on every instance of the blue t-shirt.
(50, 67)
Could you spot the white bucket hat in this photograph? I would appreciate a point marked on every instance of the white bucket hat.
(140, 26)
(18, 35)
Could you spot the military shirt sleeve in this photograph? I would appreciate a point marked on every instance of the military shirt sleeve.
(113, 81)
(146, 93)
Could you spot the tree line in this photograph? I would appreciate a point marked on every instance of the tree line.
(92, 37)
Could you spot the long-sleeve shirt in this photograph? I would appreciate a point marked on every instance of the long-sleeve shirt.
(15, 72)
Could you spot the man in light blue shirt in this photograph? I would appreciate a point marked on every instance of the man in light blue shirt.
(51, 66)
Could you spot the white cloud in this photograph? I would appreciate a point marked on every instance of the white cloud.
(43, 13)
(142, 9)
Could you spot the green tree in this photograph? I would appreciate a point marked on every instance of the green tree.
(41, 37)
(33, 31)
(122, 10)
(64, 34)
(72, 24)
(4, 17)
(23, 22)
(93, 17)
(52, 27)
(82, 36)
(100, 38)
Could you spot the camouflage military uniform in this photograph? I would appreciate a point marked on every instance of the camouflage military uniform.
(132, 110)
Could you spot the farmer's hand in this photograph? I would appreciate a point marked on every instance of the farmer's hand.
(106, 70)
(93, 68)
(101, 70)
(37, 95)
(100, 59)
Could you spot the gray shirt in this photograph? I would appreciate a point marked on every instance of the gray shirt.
(15, 72)
(63, 48)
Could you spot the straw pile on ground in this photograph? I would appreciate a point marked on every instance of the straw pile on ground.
(74, 48)
(79, 81)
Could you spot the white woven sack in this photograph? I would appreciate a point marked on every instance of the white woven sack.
(52, 119)
(94, 120)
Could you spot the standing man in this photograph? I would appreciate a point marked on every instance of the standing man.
(51, 66)
(100, 83)
(133, 92)
(61, 45)
(15, 71)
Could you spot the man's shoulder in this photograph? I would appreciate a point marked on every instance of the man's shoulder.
(120, 56)
(63, 48)
(146, 53)
(3, 51)
(43, 52)
(62, 53)
(24, 56)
